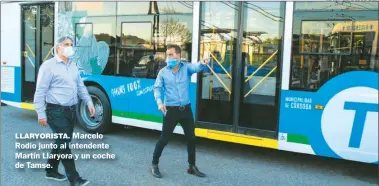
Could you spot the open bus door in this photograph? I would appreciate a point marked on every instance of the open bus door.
(37, 40)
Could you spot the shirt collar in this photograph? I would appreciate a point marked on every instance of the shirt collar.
(60, 60)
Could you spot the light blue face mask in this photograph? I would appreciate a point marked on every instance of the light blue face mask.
(171, 63)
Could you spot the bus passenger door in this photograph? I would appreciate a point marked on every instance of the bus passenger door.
(217, 41)
(239, 90)
(37, 37)
(261, 59)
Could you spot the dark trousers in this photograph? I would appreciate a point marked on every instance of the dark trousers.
(62, 120)
(175, 115)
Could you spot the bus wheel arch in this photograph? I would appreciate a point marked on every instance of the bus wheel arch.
(102, 122)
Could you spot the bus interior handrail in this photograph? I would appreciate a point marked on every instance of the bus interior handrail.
(214, 57)
(260, 81)
(263, 64)
(219, 79)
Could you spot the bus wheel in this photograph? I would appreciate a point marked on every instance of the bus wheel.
(101, 123)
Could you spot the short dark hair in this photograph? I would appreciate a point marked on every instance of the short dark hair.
(177, 48)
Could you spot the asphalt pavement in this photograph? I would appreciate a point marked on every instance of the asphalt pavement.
(224, 163)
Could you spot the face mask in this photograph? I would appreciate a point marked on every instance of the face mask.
(171, 63)
(68, 52)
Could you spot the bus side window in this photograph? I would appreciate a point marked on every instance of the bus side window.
(96, 53)
(330, 45)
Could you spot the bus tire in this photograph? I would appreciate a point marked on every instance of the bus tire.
(103, 116)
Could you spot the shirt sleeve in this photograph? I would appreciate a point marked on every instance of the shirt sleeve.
(44, 78)
(158, 88)
(195, 67)
(83, 92)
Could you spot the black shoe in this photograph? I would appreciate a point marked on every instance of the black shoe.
(192, 169)
(155, 171)
(56, 176)
(79, 182)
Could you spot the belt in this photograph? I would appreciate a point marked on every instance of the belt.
(50, 105)
(181, 108)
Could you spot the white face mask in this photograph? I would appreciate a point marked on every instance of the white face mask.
(68, 52)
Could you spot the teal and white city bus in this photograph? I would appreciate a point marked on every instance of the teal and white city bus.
(294, 76)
